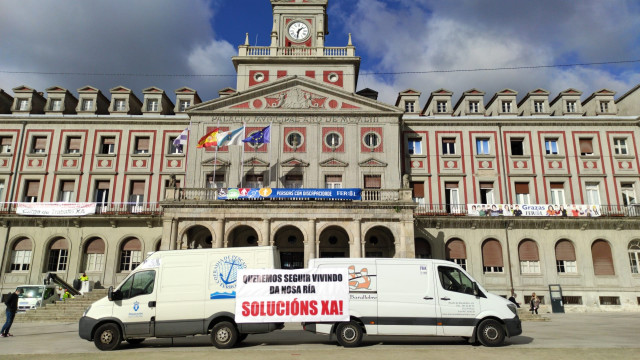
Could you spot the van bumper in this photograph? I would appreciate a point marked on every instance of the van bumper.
(514, 326)
(86, 326)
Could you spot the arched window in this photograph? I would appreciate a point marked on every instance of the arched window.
(634, 256)
(58, 255)
(94, 255)
(602, 258)
(423, 249)
(130, 254)
(565, 257)
(529, 257)
(492, 256)
(456, 251)
(21, 255)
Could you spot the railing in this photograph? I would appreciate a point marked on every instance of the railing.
(102, 208)
(462, 210)
(380, 195)
(335, 51)
(259, 51)
(297, 51)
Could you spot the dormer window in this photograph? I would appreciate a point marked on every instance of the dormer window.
(152, 105)
(474, 107)
(23, 104)
(506, 106)
(442, 106)
(538, 106)
(184, 104)
(409, 106)
(87, 104)
(120, 105)
(56, 105)
(571, 106)
(604, 106)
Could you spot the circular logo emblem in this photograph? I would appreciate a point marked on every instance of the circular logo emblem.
(225, 272)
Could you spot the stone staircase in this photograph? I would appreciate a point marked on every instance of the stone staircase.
(70, 310)
(525, 315)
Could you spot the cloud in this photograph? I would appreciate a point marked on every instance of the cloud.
(114, 37)
(428, 35)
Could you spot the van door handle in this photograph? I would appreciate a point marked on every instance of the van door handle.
(445, 298)
(428, 298)
(152, 304)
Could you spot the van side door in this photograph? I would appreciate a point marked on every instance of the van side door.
(406, 299)
(457, 305)
(137, 309)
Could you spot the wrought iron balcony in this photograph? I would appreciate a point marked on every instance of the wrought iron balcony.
(102, 209)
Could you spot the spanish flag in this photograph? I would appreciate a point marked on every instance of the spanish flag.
(209, 140)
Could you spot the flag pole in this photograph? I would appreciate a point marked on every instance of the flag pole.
(186, 154)
(270, 153)
(242, 160)
(215, 158)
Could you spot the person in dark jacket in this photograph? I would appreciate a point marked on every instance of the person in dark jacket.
(12, 309)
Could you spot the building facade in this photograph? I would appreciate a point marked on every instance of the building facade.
(426, 174)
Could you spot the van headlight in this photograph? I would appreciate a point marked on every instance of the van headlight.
(86, 311)
(513, 308)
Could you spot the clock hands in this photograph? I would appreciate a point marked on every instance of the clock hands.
(298, 33)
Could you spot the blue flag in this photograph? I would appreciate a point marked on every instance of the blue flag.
(261, 137)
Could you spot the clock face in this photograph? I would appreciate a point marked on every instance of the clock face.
(298, 31)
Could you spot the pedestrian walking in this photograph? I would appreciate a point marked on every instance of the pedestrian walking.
(12, 309)
(513, 299)
(535, 304)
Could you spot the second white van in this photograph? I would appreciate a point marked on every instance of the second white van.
(417, 297)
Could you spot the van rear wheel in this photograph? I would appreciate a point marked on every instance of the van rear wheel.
(349, 334)
(107, 337)
(491, 333)
(224, 335)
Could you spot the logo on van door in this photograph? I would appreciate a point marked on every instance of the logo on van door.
(225, 272)
(359, 280)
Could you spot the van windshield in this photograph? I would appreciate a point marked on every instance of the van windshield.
(31, 292)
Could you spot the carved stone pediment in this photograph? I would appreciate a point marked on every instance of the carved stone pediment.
(333, 162)
(213, 161)
(255, 162)
(294, 162)
(373, 163)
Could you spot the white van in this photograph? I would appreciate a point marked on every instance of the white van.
(35, 296)
(178, 293)
(417, 297)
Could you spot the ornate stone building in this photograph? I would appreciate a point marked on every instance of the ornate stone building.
(419, 170)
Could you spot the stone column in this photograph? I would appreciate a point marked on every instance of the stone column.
(219, 229)
(165, 243)
(174, 234)
(356, 245)
(406, 238)
(310, 243)
(266, 233)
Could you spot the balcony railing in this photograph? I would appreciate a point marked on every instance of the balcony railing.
(129, 208)
(198, 194)
(462, 210)
(348, 51)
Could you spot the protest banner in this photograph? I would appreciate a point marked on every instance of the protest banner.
(309, 295)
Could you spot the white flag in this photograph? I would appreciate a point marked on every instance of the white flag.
(234, 137)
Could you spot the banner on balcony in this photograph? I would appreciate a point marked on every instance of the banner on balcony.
(533, 210)
(292, 194)
(315, 295)
(56, 209)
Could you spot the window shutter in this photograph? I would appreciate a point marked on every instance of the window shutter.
(418, 189)
(132, 244)
(254, 178)
(143, 143)
(602, 259)
(23, 245)
(557, 185)
(40, 143)
(450, 185)
(96, 246)
(372, 182)
(528, 251)
(137, 188)
(109, 140)
(486, 185)
(449, 140)
(74, 143)
(60, 244)
(333, 178)
(522, 188)
(492, 253)
(586, 146)
(33, 187)
(103, 185)
(456, 250)
(293, 178)
(565, 251)
(68, 185)
(6, 141)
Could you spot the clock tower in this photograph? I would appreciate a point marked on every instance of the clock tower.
(298, 48)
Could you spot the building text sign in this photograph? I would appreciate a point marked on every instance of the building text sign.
(293, 194)
(56, 209)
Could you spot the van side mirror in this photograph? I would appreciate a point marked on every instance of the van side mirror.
(476, 289)
(110, 293)
(114, 295)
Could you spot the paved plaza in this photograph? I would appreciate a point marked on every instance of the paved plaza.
(565, 336)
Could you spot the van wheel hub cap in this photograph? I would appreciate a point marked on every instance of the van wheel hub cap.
(349, 334)
(491, 333)
(106, 337)
(223, 335)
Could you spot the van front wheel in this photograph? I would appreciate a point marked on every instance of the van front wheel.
(107, 337)
(224, 335)
(491, 333)
(349, 334)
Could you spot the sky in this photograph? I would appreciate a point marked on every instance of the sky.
(420, 44)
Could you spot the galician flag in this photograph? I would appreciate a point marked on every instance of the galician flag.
(261, 137)
(234, 137)
(208, 140)
(181, 140)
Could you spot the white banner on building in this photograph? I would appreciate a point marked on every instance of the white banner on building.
(311, 295)
(533, 210)
(56, 209)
